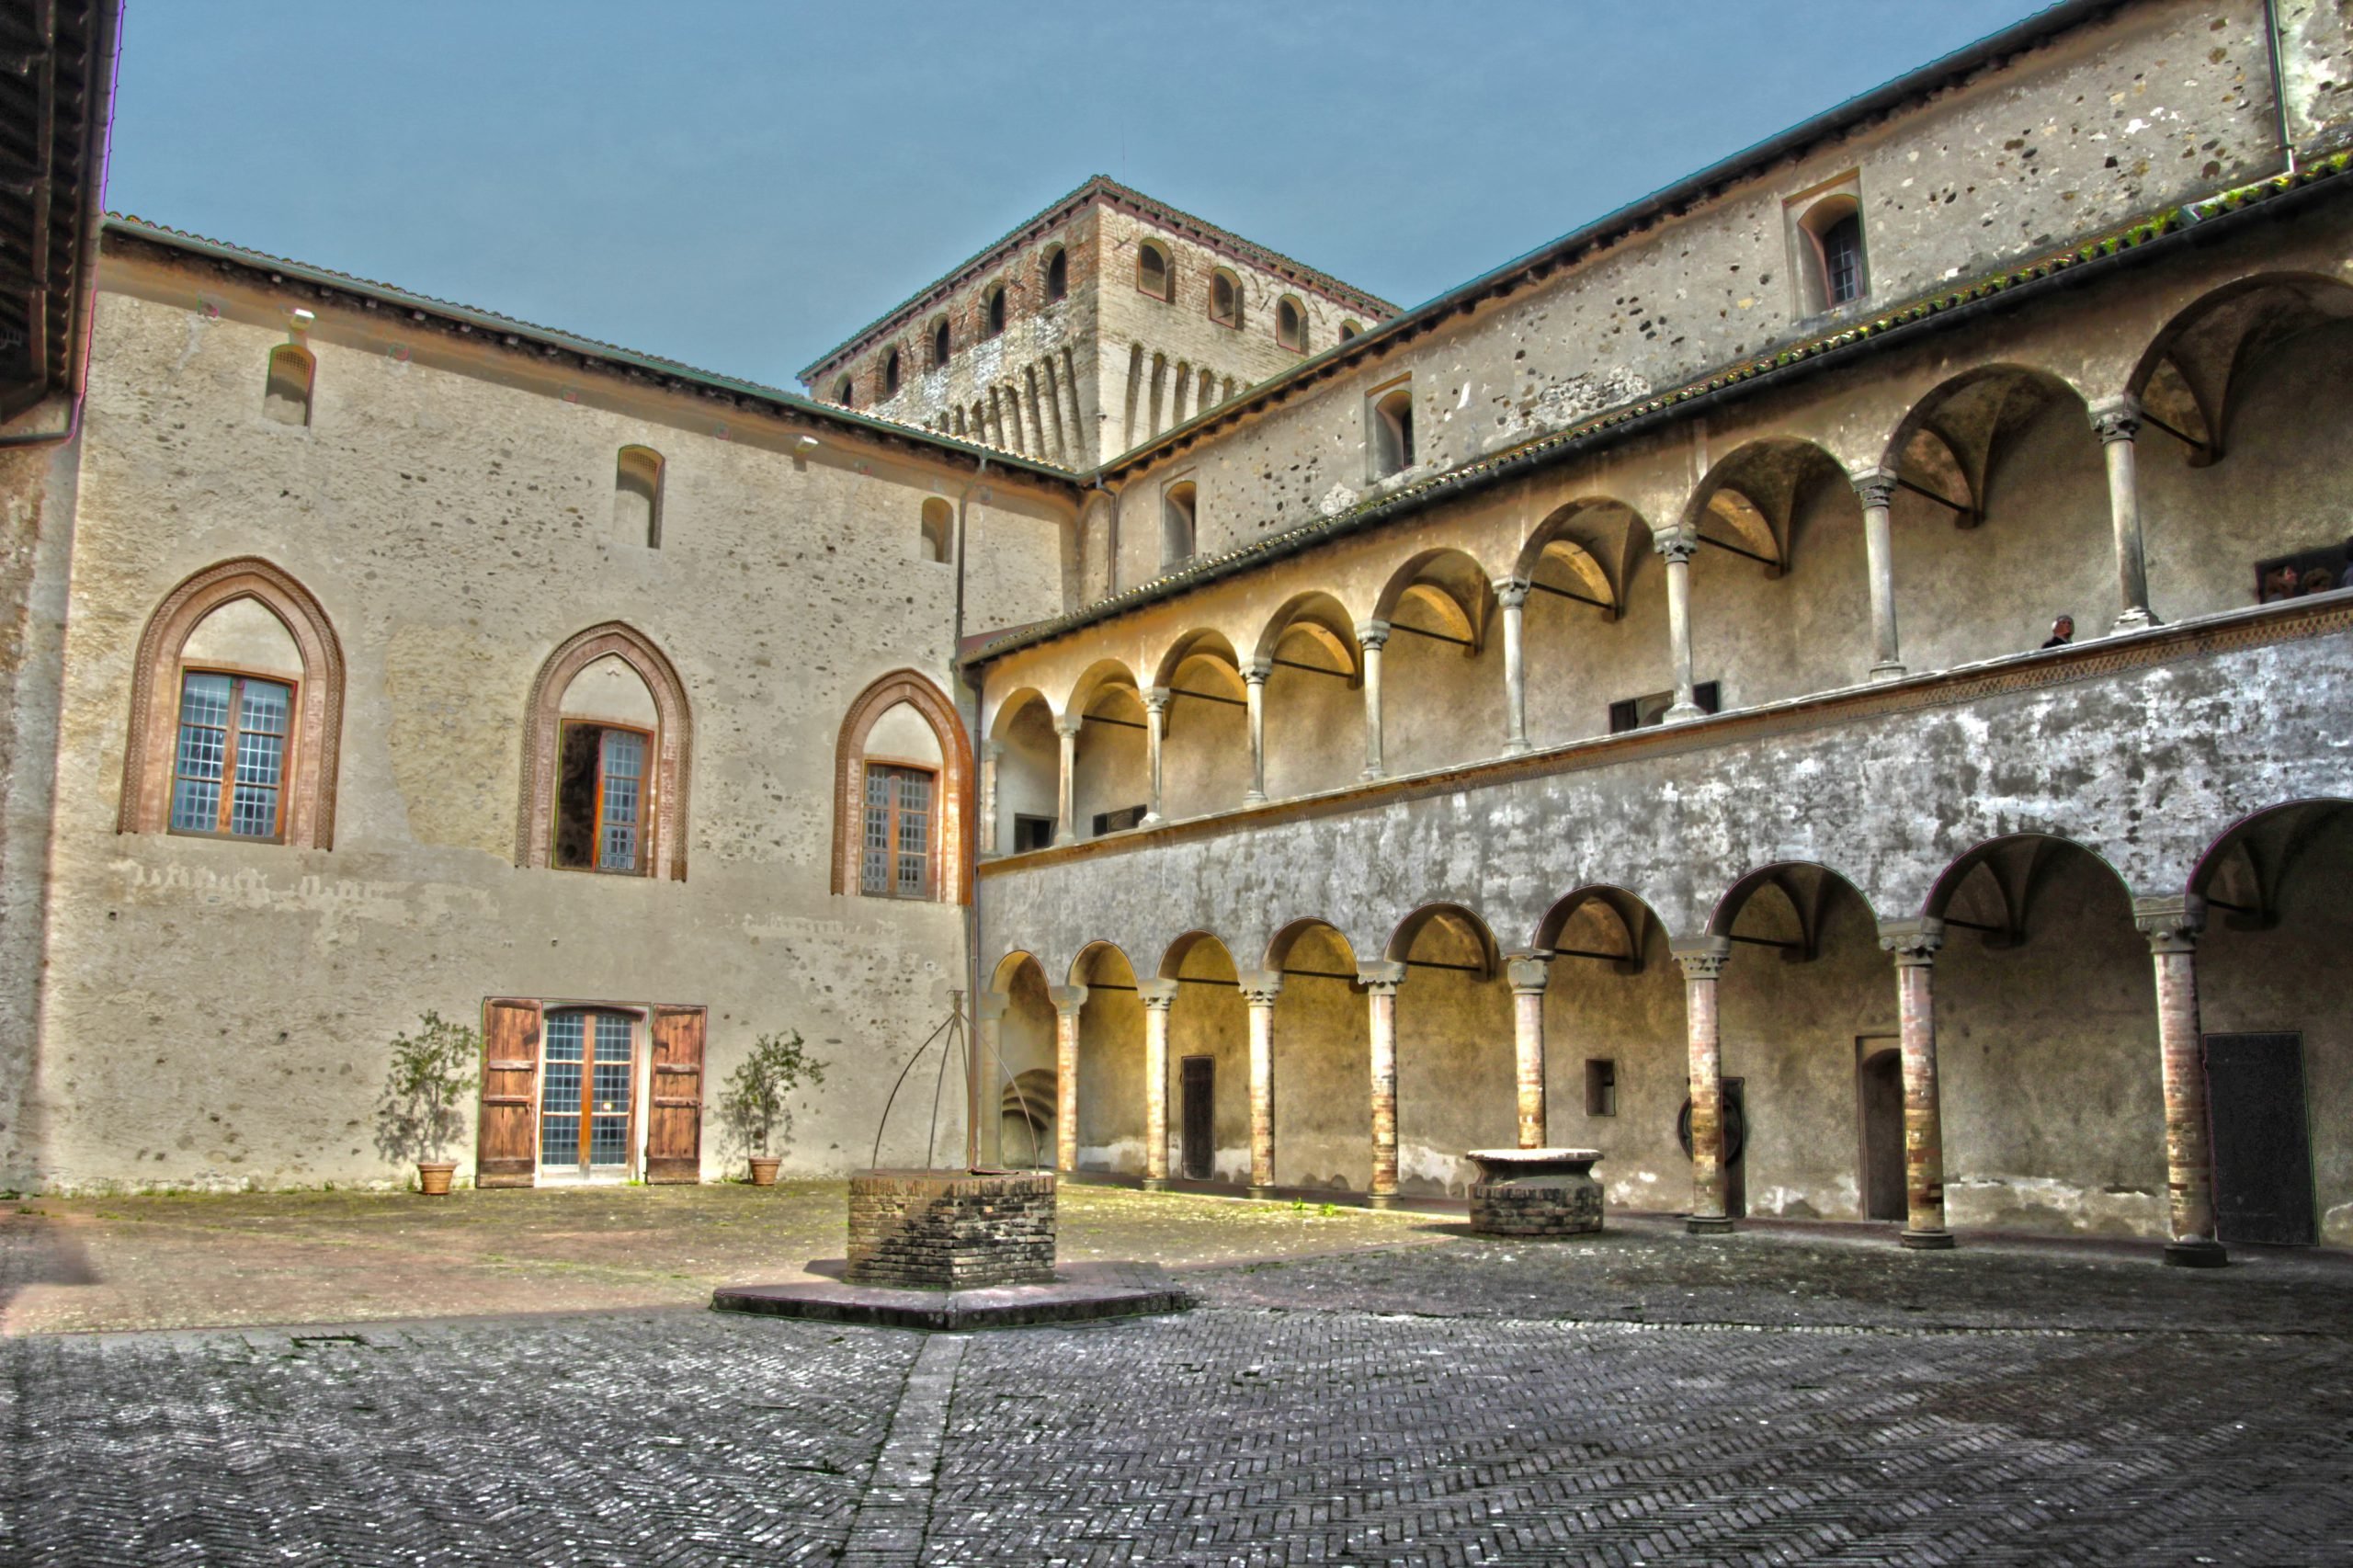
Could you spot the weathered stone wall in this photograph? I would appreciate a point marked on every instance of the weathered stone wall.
(214, 1012)
(930, 1229)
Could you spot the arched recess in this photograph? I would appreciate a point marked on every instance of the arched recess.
(1205, 750)
(1594, 627)
(1322, 1050)
(1017, 1064)
(2000, 518)
(951, 877)
(1807, 1006)
(2273, 1004)
(667, 769)
(1208, 1062)
(2049, 1075)
(1457, 1078)
(1109, 787)
(316, 721)
(1110, 1088)
(1025, 771)
(1313, 699)
(1618, 1060)
(1766, 509)
(2261, 370)
(1441, 672)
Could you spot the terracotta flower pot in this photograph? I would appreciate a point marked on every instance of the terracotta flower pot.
(433, 1177)
(763, 1169)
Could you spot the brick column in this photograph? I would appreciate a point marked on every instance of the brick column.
(1511, 593)
(2118, 421)
(1067, 1001)
(1259, 989)
(2172, 926)
(1877, 491)
(1381, 983)
(1914, 944)
(988, 1016)
(1372, 636)
(1157, 997)
(1528, 975)
(1065, 830)
(1155, 716)
(1253, 679)
(1676, 548)
(1702, 965)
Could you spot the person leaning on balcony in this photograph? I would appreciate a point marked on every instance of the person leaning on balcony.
(2062, 633)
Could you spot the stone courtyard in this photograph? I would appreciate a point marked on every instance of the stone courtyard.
(531, 1376)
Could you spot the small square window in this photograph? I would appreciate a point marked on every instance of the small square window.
(1601, 1087)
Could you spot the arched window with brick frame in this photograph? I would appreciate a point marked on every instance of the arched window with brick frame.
(607, 745)
(236, 711)
(902, 785)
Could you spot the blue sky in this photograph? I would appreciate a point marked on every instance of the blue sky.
(740, 185)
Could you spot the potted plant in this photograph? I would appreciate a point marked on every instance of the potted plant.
(753, 1105)
(432, 1072)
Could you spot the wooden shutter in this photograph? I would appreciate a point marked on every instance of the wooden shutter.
(506, 1137)
(674, 1135)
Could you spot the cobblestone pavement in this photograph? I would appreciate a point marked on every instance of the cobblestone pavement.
(1641, 1397)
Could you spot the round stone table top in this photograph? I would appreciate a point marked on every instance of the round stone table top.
(1529, 1162)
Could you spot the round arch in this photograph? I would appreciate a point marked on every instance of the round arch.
(2017, 865)
(317, 722)
(1954, 433)
(1624, 918)
(1453, 585)
(1806, 887)
(1279, 949)
(2185, 379)
(1754, 494)
(2256, 854)
(1454, 918)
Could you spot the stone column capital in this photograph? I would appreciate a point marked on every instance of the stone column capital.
(1156, 995)
(1874, 486)
(1529, 973)
(2172, 922)
(1383, 975)
(1259, 987)
(1914, 942)
(1255, 671)
(1067, 999)
(1069, 727)
(2116, 418)
(1512, 592)
(1371, 633)
(1676, 546)
(1156, 699)
(1702, 959)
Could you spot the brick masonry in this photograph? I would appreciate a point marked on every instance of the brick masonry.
(1523, 1194)
(951, 1230)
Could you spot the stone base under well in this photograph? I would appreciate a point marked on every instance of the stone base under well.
(1535, 1192)
(951, 1230)
(1081, 1292)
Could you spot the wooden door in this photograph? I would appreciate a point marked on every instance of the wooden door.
(506, 1135)
(674, 1130)
(1199, 1101)
(2263, 1155)
(1879, 1085)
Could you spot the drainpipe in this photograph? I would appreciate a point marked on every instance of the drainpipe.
(2278, 84)
(972, 1076)
(1111, 542)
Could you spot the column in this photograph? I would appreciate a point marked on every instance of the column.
(2172, 926)
(988, 1016)
(1157, 997)
(1877, 489)
(1511, 592)
(1156, 722)
(1528, 975)
(1067, 1001)
(1372, 636)
(1915, 944)
(1381, 983)
(1702, 965)
(2118, 420)
(1677, 550)
(1259, 989)
(1065, 832)
(1254, 675)
(992, 758)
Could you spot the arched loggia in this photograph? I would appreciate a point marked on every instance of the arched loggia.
(1322, 1122)
(1208, 1062)
(1616, 1070)
(1313, 697)
(1457, 1085)
(1594, 626)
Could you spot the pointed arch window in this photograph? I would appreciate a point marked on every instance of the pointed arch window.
(992, 310)
(236, 712)
(890, 374)
(901, 794)
(607, 743)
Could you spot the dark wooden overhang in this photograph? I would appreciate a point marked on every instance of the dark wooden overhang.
(57, 61)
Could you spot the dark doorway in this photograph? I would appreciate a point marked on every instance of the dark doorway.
(2263, 1155)
(1199, 1160)
(1736, 1144)
(1878, 1093)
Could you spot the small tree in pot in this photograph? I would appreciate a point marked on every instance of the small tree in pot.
(432, 1072)
(753, 1105)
